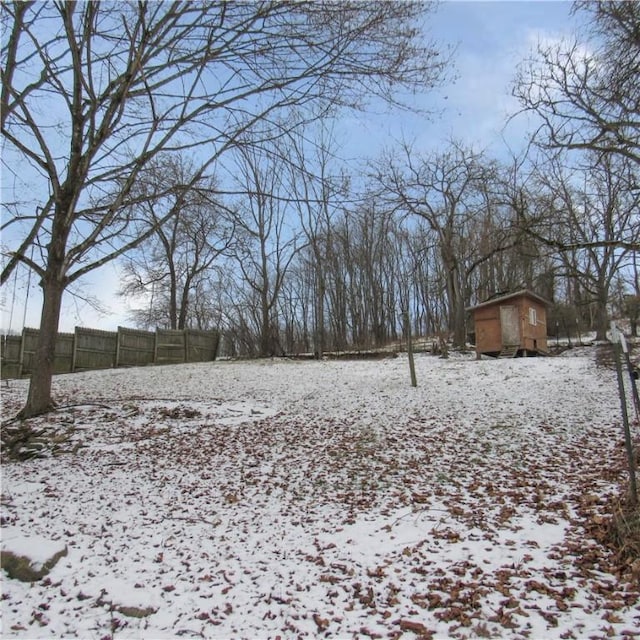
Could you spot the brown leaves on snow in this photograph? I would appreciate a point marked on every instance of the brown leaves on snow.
(470, 488)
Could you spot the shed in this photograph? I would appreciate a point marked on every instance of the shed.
(511, 325)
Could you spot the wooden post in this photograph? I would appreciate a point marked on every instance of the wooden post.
(74, 355)
(412, 366)
(619, 345)
(117, 363)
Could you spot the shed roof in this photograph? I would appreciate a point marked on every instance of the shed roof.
(516, 294)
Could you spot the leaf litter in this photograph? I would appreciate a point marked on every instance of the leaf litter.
(326, 499)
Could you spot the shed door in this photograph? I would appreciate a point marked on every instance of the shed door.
(510, 323)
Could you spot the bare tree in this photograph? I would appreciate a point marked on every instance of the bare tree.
(319, 188)
(587, 93)
(266, 243)
(93, 92)
(170, 265)
(359, 270)
(507, 256)
(446, 191)
(590, 215)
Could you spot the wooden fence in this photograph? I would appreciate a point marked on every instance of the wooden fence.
(87, 349)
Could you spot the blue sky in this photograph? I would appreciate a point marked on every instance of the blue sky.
(491, 38)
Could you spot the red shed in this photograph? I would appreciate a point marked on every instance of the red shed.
(511, 325)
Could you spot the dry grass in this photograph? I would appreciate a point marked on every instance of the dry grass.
(623, 536)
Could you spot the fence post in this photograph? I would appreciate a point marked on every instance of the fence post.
(412, 366)
(632, 379)
(117, 363)
(620, 345)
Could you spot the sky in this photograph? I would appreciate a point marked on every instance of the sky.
(489, 40)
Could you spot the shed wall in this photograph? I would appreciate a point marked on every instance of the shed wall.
(534, 336)
(532, 328)
(488, 329)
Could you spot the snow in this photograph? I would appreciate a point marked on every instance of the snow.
(325, 499)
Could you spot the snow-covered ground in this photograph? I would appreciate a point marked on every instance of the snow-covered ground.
(324, 499)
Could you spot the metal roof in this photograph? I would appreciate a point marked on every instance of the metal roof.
(516, 294)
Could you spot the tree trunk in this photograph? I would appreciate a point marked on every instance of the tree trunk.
(460, 326)
(266, 348)
(184, 304)
(602, 316)
(455, 299)
(320, 328)
(173, 298)
(39, 399)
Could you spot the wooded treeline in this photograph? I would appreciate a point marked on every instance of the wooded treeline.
(296, 260)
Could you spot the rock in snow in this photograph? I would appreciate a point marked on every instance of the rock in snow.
(29, 558)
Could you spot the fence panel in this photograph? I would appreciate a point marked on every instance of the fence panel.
(29, 343)
(11, 346)
(201, 346)
(135, 347)
(63, 361)
(170, 346)
(94, 349)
